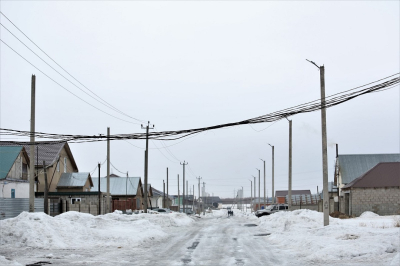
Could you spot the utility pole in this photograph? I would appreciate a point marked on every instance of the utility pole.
(242, 199)
(32, 148)
(193, 200)
(264, 183)
(179, 197)
(183, 200)
(163, 193)
(255, 194)
(167, 190)
(259, 185)
(198, 200)
(251, 197)
(98, 166)
(126, 191)
(273, 165)
(46, 190)
(108, 171)
(187, 190)
(204, 189)
(146, 165)
(290, 167)
(324, 144)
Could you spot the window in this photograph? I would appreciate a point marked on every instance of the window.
(75, 200)
(58, 166)
(282, 207)
(65, 164)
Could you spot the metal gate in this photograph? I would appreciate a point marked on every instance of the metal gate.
(55, 206)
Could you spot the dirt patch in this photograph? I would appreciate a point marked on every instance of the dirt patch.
(337, 214)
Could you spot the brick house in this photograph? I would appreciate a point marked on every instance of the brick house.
(378, 190)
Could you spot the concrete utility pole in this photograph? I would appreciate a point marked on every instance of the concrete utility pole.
(242, 198)
(255, 194)
(324, 144)
(290, 167)
(126, 191)
(167, 190)
(264, 183)
(259, 190)
(193, 200)
(198, 200)
(251, 197)
(46, 190)
(32, 148)
(179, 197)
(98, 166)
(273, 165)
(187, 190)
(183, 200)
(108, 171)
(146, 165)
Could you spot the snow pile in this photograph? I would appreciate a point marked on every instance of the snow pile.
(358, 240)
(74, 229)
(4, 262)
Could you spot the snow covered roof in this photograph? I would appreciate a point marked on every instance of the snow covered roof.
(118, 186)
(74, 180)
(354, 165)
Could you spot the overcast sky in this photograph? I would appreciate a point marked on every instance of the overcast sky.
(183, 65)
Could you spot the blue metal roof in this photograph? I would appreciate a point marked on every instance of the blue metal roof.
(73, 179)
(118, 185)
(8, 155)
(355, 165)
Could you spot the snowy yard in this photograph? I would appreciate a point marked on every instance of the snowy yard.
(284, 238)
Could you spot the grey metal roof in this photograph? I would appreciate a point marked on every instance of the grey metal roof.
(353, 166)
(48, 152)
(118, 185)
(381, 175)
(284, 193)
(73, 179)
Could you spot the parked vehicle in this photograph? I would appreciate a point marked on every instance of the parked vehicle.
(271, 209)
(164, 210)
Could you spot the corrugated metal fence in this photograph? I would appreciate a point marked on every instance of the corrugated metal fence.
(10, 208)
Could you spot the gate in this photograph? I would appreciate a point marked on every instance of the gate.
(55, 206)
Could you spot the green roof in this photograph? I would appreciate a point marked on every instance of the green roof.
(8, 155)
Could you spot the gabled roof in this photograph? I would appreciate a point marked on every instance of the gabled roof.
(118, 186)
(8, 155)
(284, 193)
(48, 152)
(382, 175)
(74, 180)
(352, 166)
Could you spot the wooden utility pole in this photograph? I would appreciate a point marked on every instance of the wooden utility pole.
(324, 144)
(198, 200)
(146, 165)
(108, 171)
(290, 167)
(163, 193)
(167, 190)
(46, 190)
(273, 165)
(183, 200)
(32, 148)
(99, 212)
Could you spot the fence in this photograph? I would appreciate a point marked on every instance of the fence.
(129, 204)
(12, 207)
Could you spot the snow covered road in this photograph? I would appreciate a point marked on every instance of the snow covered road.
(287, 238)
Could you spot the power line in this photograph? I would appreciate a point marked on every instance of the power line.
(312, 106)
(103, 101)
(63, 86)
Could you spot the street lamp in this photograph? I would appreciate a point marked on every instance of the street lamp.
(273, 191)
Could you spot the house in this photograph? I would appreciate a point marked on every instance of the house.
(58, 159)
(14, 172)
(128, 190)
(157, 199)
(351, 166)
(282, 194)
(75, 182)
(212, 201)
(377, 190)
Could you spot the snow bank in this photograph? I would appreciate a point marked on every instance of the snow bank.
(6, 262)
(80, 230)
(363, 239)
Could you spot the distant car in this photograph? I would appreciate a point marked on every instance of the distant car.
(163, 210)
(271, 209)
